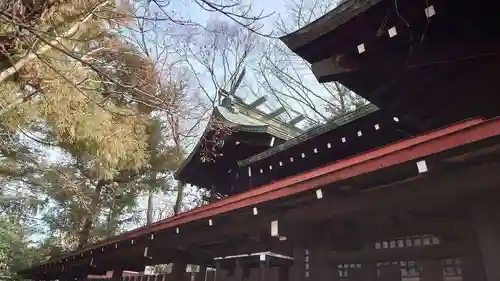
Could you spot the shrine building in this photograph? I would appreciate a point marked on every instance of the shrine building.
(402, 189)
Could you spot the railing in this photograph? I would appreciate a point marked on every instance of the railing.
(188, 276)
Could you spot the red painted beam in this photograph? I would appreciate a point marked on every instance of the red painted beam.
(453, 136)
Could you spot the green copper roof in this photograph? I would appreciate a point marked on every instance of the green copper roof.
(317, 131)
(238, 118)
(239, 121)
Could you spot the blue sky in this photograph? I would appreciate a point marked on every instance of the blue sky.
(190, 9)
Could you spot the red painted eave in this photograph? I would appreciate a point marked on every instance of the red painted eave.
(453, 136)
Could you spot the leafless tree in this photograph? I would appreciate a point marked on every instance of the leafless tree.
(216, 56)
(288, 79)
(240, 12)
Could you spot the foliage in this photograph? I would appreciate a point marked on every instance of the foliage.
(67, 87)
(70, 83)
(14, 253)
(77, 201)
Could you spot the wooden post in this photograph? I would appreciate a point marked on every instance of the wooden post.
(472, 268)
(117, 275)
(254, 274)
(213, 194)
(487, 226)
(370, 268)
(471, 264)
(273, 274)
(178, 270)
(319, 267)
(201, 274)
(264, 269)
(238, 271)
(210, 276)
(221, 274)
(284, 273)
(218, 271)
(297, 270)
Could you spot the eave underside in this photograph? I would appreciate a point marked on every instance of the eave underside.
(313, 133)
(220, 171)
(364, 134)
(342, 14)
(231, 125)
(433, 96)
(462, 161)
(446, 64)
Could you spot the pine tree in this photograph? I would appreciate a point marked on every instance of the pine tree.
(69, 79)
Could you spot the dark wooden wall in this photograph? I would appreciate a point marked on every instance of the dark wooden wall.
(314, 267)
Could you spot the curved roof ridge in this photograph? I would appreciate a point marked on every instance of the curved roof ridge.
(336, 17)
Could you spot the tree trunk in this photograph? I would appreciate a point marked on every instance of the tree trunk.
(111, 227)
(93, 213)
(180, 184)
(152, 185)
(180, 197)
(154, 140)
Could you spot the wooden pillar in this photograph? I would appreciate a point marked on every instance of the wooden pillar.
(471, 262)
(273, 274)
(370, 268)
(472, 268)
(221, 274)
(319, 267)
(297, 270)
(283, 274)
(238, 272)
(201, 274)
(264, 269)
(117, 275)
(487, 226)
(210, 275)
(178, 271)
(253, 274)
(213, 194)
(431, 271)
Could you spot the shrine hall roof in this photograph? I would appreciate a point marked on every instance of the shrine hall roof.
(367, 47)
(330, 21)
(238, 118)
(239, 121)
(405, 151)
(312, 133)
